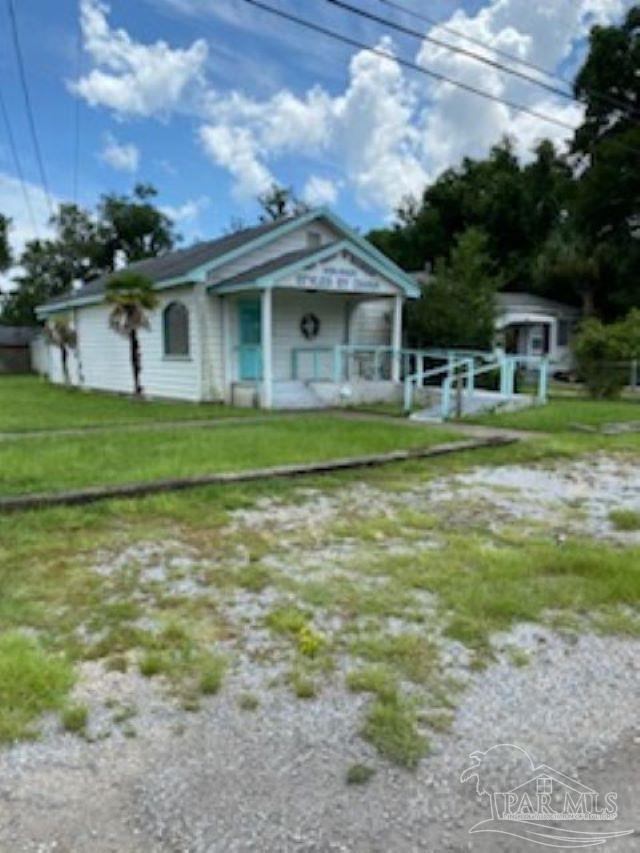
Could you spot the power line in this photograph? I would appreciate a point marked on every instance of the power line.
(525, 63)
(435, 75)
(27, 102)
(17, 166)
(469, 54)
(600, 96)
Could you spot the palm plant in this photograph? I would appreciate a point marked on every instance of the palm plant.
(131, 295)
(61, 334)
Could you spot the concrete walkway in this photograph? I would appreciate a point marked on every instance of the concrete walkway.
(473, 430)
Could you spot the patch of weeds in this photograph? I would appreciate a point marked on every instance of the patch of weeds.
(414, 657)
(518, 657)
(391, 726)
(31, 682)
(129, 732)
(117, 663)
(75, 718)
(254, 577)
(287, 619)
(151, 663)
(309, 642)
(212, 668)
(374, 679)
(625, 519)
(617, 621)
(303, 685)
(359, 774)
(248, 702)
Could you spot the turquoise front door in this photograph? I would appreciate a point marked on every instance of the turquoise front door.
(249, 354)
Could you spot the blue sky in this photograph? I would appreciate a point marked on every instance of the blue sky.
(210, 100)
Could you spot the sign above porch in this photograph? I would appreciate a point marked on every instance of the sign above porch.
(340, 275)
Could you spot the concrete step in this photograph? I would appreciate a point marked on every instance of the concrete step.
(295, 394)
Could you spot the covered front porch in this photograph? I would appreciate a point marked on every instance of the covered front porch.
(291, 349)
(313, 328)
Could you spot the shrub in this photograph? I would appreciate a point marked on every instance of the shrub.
(603, 352)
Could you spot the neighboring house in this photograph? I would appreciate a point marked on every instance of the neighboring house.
(15, 355)
(296, 313)
(531, 325)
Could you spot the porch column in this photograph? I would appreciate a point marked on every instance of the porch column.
(396, 338)
(267, 349)
(227, 343)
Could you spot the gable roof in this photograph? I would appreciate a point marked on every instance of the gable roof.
(269, 273)
(175, 264)
(190, 264)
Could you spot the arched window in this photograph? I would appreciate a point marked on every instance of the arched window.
(176, 329)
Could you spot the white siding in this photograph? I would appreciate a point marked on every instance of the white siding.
(39, 355)
(292, 242)
(288, 310)
(105, 354)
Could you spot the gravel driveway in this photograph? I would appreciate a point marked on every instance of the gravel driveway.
(273, 778)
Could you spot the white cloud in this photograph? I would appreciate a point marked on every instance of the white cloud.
(132, 78)
(320, 191)
(388, 131)
(187, 211)
(22, 229)
(368, 129)
(237, 150)
(124, 157)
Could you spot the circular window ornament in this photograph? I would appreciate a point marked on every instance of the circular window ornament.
(310, 326)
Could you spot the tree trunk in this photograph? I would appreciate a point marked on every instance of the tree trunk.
(135, 361)
(65, 363)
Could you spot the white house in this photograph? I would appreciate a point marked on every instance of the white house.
(297, 313)
(532, 326)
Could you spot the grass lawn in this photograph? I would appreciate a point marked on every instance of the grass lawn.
(56, 463)
(31, 403)
(57, 610)
(559, 415)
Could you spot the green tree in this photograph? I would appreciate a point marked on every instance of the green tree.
(607, 203)
(131, 295)
(457, 305)
(84, 246)
(133, 226)
(604, 352)
(516, 206)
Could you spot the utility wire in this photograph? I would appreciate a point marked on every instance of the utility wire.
(27, 102)
(469, 54)
(436, 75)
(525, 63)
(18, 166)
